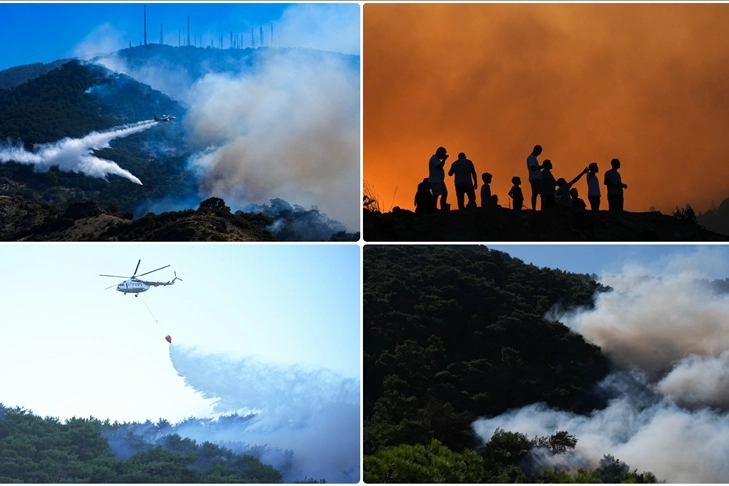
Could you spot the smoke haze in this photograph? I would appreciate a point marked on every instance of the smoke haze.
(668, 407)
(275, 122)
(76, 154)
(291, 130)
(313, 412)
(589, 82)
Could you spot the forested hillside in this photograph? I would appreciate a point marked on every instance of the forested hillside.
(455, 333)
(37, 450)
(74, 100)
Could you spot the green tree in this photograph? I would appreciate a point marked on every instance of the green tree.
(432, 463)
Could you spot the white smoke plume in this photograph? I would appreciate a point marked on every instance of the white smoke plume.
(314, 413)
(291, 130)
(668, 414)
(76, 154)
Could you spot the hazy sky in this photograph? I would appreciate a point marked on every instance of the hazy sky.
(645, 83)
(47, 32)
(711, 260)
(68, 347)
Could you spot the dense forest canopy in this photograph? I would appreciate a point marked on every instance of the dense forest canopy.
(47, 450)
(455, 333)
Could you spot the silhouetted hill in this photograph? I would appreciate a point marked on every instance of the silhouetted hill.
(27, 220)
(716, 219)
(14, 76)
(559, 224)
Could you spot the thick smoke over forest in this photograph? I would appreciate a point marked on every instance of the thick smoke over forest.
(287, 127)
(668, 404)
(312, 412)
(76, 154)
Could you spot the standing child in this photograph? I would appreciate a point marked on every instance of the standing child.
(486, 190)
(593, 187)
(515, 193)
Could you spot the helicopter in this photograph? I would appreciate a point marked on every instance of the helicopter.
(133, 285)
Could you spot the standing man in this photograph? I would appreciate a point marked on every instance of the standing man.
(615, 187)
(535, 174)
(437, 177)
(464, 172)
(593, 187)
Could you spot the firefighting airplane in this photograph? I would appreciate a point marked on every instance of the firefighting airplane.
(133, 285)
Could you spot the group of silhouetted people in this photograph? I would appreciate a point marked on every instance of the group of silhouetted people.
(553, 192)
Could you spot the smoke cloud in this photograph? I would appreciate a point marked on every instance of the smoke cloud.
(313, 412)
(667, 411)
(76, 154)
(282, 122)
(589, 82)
(291, 130)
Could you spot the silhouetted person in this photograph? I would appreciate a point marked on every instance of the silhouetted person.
(535, 174)
(486, 189)
(577, 201)
(593, 187)
(548, 184)
(494, 200)
(615, 187)
(424, 198)
(562, 195)
(515, 194)
(437, 177)
(464, 172)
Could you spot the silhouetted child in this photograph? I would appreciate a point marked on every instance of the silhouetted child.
(515, 193)
(562, 195)
(577, 202)
(593, 187)
(495, 201)
(486, 190)
(424, 198)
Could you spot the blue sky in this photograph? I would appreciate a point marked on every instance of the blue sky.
(32, 33)
(69, 347)
(612, 258)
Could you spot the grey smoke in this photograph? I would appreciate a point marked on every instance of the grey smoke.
(288, 127)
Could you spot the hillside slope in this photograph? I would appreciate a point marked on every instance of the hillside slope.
(453, 333)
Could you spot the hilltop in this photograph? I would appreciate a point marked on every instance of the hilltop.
(27, 220)
(70, 99)
(559, 224)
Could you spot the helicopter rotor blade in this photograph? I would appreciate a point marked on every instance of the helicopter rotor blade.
(135, 270)
(151, 271)
(117, 276)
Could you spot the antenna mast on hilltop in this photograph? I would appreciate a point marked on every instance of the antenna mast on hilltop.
(261, 28)
(271, 36)
(161, 37)
(253, 39)
(145, 25)
(188, 29)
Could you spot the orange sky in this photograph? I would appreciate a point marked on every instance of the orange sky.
(646, 83)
